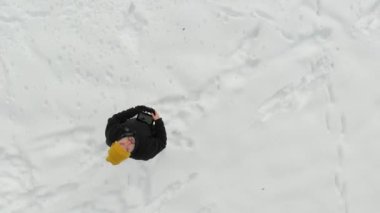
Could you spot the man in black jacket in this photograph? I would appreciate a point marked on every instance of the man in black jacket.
(131, 137)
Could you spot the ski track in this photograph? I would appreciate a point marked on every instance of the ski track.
(15, 183)
(336, 124)
(295, 96)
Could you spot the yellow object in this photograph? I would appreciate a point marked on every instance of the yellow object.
(117, 153)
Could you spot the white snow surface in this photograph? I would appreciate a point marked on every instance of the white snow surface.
(270, 105)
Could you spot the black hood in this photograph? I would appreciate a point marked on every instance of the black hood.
(118, 132)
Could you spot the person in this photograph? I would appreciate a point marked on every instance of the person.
(131, 137)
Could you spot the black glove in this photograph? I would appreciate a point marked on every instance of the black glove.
(142, 108)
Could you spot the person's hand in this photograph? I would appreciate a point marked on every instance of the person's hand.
(155, 115)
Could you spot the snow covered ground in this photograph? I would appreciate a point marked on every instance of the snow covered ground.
(270, 105)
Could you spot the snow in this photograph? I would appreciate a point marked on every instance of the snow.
(269, 106)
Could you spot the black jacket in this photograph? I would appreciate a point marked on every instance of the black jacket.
(150, 139)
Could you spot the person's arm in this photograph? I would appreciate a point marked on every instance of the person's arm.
(121, 117)
(160, 132)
